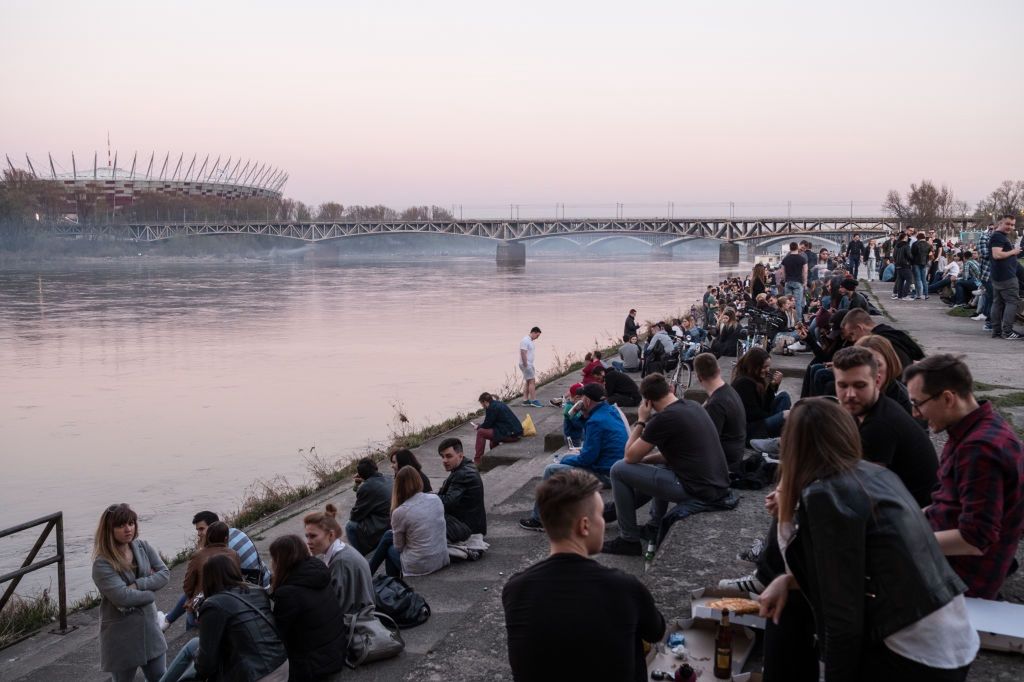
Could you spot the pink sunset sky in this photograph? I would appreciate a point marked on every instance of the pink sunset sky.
(486, 104)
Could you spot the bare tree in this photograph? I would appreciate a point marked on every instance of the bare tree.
(1007, 198)
(330, 210)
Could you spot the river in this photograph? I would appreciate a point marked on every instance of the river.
(173, 386)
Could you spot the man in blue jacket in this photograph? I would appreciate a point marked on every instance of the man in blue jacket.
(604, 444)
(500, 425)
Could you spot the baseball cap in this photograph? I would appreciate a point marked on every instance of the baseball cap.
(594, 391)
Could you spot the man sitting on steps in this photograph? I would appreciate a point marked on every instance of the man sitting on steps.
(604, 442)
(462, 493)
(691, 464)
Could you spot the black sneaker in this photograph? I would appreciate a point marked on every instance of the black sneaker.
(1012, 336)
(531, 523)
(623, 547)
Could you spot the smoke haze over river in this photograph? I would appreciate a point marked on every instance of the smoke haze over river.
(174, 386)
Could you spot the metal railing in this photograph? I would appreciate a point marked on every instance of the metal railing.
(55, 520)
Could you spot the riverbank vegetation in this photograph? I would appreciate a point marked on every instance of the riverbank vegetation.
(24, 615)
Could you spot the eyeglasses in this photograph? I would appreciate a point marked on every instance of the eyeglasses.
(917, 405)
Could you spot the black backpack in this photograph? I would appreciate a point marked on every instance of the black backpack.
(399, 601)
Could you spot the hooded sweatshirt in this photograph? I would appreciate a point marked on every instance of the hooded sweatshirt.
(310, 621)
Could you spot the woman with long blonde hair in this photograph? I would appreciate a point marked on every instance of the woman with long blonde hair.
(886, 604)
(417, 543)
(350, 574)
(127, 572)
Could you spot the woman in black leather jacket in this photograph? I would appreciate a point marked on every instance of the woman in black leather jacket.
(238, 639)
(886, 604)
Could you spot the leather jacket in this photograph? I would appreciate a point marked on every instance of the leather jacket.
(866, 559)
(463, 496)
(236, 643)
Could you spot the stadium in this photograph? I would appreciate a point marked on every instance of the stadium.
(120, 187)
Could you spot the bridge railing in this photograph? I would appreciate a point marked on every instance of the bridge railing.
(29, 565)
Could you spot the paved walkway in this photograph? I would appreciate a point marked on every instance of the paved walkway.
(465, 637)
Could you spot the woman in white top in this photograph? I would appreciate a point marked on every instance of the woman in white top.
(417, 543)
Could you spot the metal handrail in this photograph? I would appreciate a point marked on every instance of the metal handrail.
(55, 520)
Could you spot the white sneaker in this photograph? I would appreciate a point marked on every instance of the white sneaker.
(748, 583)
(979, 317)
(798, 347)
(161, 619)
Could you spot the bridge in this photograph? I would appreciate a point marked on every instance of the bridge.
(511, 236)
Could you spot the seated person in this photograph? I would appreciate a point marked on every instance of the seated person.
(948, 275)
(659, 347)
(417, 543)
(351, 579)
(405, 458)
(729, 334)
(371, 514)
(462, 493)
(849, 297)
(858, 323)
(215, 542)
(757, 385)
(500, 425)
(593, 361)
(725, 408)
(572, 415)
(888, 270)
(620, 389)
(253, 568)
(631, 355)
(971, 280)
(604, 442)
(569, 602)
(691, 463)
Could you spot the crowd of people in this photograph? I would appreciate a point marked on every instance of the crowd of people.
(872, 539)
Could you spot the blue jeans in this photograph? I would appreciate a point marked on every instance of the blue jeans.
(796, 290)
(554, 468)
(920, 274)
(183, 666)
(964, 288)
(986, 308)
(774, 423)
(352, 534)
(632, 481)
(387, 554)
(937, 286)
(854, 266)
(174, 614)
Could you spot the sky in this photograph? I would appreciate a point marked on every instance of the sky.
(535, 103)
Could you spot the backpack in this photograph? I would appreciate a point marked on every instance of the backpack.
(396, 599)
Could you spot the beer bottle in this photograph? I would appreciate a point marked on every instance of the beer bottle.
(723, 648)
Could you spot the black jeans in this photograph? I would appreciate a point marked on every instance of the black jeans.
(903, 280)
(790, 653)
(881, 664)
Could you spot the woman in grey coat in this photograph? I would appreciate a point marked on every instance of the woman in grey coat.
(127, 572)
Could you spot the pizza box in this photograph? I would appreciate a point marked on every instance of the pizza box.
(700, 598)
(1000, 624)
(700, 648)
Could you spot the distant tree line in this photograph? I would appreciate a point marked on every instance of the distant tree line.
(928, 206)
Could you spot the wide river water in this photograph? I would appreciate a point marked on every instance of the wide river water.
(174, 386)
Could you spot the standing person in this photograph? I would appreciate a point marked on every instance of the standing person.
(351, 580)
(691, 463)
(758, 281)
(569, 602)
(127, 572)
(526, 366)
(886, 604)
(919, 251)
(630, 328)
(985, 261)
(977, 512)
(370, 516)
(795, 267)
(874, 258)
(500, 425)
(725, 408)
(1005, 287)
(416, 544)
(903, 260)
(238, 639)
(854, 256)
(308, 617)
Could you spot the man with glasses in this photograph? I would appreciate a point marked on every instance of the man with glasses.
(977, 512)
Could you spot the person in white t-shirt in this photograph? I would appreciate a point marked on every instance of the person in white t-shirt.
(526, 356)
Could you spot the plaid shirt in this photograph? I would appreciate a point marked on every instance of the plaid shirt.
(985, 256)
(981, 493)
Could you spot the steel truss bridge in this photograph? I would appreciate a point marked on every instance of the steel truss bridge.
(662, 234)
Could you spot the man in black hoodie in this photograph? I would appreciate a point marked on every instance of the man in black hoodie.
(854, 255)
(902, 259)
(858, 323)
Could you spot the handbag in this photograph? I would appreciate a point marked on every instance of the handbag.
(369, 638)
(395, 598)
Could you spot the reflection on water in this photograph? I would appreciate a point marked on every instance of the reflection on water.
(173, 386)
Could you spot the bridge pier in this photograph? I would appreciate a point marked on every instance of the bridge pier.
(729, 253)
(511, 253)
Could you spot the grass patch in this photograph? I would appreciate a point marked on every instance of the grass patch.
(1015, 399)
(24, 615)
(980, 386)
(961, 312)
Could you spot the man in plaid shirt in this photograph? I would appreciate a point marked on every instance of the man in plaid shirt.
(977, 512)
(985, 260)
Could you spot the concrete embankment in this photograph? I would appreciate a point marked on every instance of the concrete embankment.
(465, 637)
